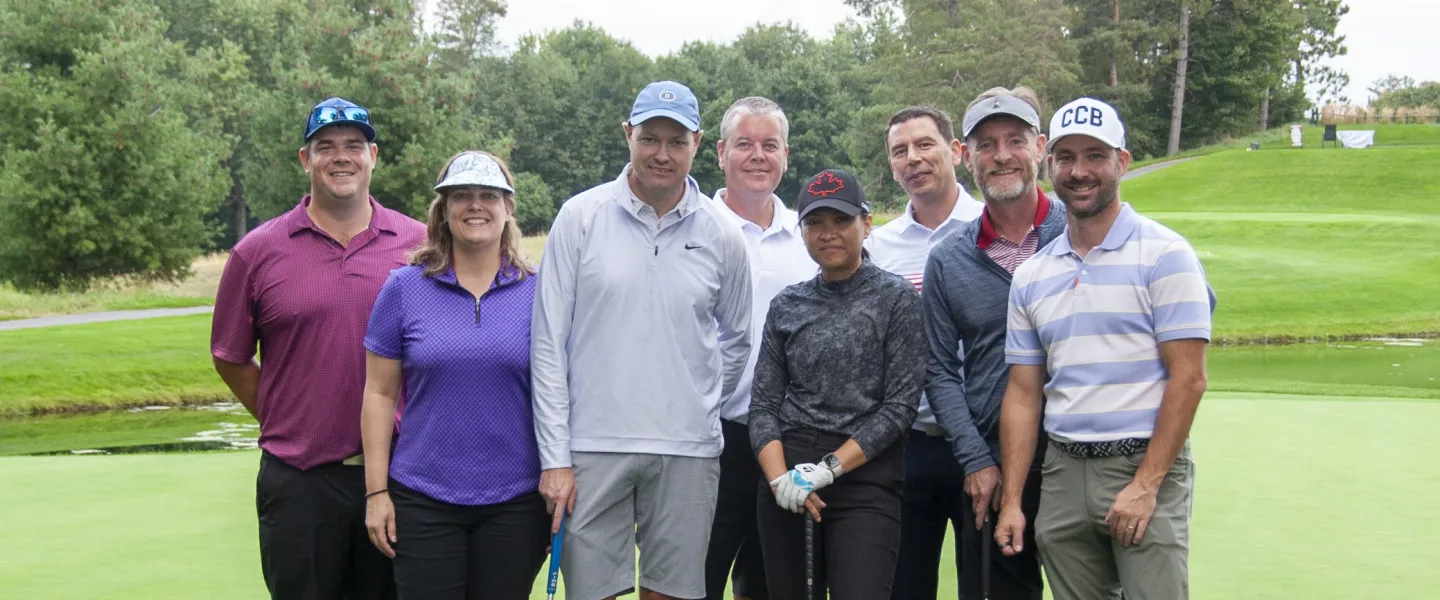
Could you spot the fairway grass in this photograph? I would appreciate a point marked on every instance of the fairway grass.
(151, 361)
(1397, 369)
(1308, 244)
(1296, 497)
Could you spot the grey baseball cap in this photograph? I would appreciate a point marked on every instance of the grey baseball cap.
(999, 105)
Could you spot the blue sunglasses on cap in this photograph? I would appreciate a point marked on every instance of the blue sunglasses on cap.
(326, 115)
(336, 111)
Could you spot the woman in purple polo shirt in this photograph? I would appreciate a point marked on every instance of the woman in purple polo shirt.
(456, 502)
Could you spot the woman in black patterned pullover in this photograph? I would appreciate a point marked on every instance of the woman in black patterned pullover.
(839, 377)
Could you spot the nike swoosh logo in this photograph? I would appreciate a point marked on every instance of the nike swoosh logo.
(692, 246)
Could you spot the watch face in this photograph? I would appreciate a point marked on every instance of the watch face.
(831, 461)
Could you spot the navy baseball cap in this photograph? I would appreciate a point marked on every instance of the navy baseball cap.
(832, 188)
(667, 99)
(339, 111)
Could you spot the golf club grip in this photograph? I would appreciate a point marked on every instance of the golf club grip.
(557, 546)
(809, 557)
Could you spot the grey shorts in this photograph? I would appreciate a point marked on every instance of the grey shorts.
(663, 504)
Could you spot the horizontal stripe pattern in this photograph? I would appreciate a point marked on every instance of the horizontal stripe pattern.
(1093, 427)
(1096, 325)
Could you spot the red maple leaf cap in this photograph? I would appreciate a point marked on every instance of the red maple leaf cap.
(832, 188)
(825, 184)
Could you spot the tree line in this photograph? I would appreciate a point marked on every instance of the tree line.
(138, 134)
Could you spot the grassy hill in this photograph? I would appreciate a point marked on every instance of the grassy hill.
(1309, 244)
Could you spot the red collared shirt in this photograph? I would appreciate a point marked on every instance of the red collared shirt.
(1007, 253)
(305, 300)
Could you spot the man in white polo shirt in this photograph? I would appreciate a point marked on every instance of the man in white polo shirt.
(923, 153)
(753, 149)
(641, 326)
(1107, 331)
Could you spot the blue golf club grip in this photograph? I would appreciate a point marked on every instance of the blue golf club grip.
(557, 545)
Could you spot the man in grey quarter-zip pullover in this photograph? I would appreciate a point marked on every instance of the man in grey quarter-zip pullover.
(641, 326)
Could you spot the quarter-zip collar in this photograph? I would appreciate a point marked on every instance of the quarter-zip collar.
(507, 275)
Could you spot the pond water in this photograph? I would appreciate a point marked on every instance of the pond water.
(223, 426)
(1381, 367)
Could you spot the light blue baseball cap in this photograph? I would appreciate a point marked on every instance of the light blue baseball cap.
(667, 99)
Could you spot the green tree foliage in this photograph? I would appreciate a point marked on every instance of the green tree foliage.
(467, 30)
(103, 172)
(781, 63)
(1319, 43)
(1238, 51)
(1424, 95)
(562, 100)
(138, 133)
(534, 203)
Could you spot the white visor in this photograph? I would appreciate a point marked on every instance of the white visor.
(473, 168)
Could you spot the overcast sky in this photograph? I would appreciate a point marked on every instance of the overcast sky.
(1384, 36)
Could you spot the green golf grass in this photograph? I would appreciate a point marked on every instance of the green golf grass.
(1394, 181)
(1296, 497)
(1278, 138)
(151, 361)
(20, 305)
(1308, 244)
(1364, 368)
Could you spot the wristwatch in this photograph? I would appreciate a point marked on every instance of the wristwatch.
(832, 462)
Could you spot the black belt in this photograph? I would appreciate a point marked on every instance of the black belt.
(1102, 449)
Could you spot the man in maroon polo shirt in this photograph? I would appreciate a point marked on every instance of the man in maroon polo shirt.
(301, 286)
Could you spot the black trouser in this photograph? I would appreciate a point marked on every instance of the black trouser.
(934, 499)
(735, 534)
(313, 543)
(453, 552)
(1011, 577)
(858, 539)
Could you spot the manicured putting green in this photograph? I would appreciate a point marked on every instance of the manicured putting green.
(1296, 497)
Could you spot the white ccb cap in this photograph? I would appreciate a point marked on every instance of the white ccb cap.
(1087, 116)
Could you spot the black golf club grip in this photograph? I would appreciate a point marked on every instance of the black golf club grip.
(809, 558)
(987, 534)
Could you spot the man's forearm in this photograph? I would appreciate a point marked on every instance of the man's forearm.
(243, 379)
(1172, 428)
(1019, 421)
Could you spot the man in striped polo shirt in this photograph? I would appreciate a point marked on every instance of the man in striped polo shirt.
(1116, 314)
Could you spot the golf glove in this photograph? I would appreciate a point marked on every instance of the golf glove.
(792, 488)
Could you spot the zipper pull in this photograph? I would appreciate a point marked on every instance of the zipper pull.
(477, 311)
(657, 249)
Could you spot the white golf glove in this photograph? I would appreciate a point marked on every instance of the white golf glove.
(792, 488)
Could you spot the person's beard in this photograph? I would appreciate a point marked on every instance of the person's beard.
(1105, 194)
(1007, 193)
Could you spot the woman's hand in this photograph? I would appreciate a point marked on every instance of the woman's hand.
(380, 522)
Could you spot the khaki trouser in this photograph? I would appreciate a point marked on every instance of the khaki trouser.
(1082, 561)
